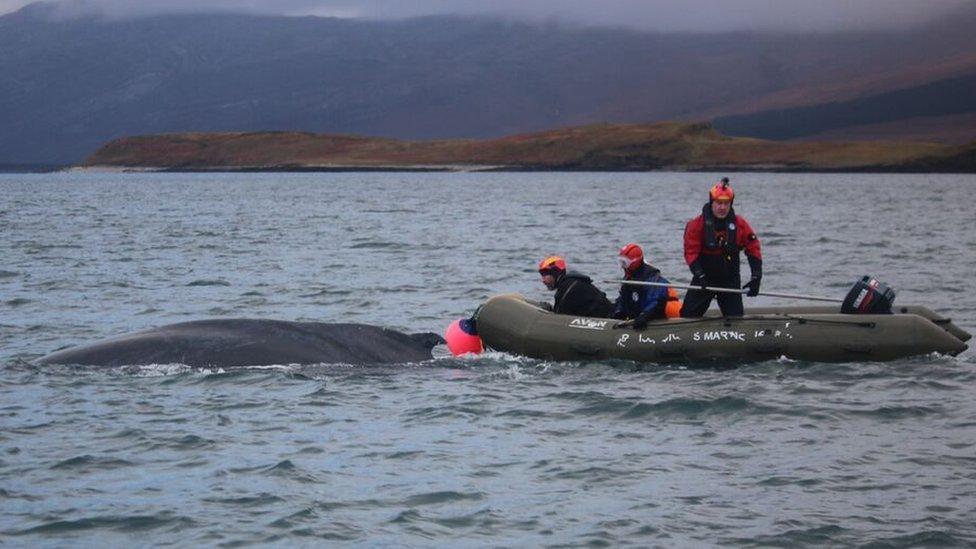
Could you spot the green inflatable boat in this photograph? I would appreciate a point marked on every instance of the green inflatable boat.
(512, 324)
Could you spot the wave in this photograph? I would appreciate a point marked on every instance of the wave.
(436, 498)
(371, 245)
(815, 536)
(8, 494)
(125, 523)
(88, 463)
(283, 469)
(208, 282)
(679, 407)
(259, 500)
(186, 442)
(896, 412)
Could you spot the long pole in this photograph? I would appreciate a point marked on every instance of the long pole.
(723, 290)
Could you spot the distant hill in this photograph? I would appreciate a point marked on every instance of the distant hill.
(954, 96)
(70, 85)
(672, 146)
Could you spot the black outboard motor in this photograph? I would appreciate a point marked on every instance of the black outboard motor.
(868, 297)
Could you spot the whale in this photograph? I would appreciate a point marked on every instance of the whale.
(230, 343)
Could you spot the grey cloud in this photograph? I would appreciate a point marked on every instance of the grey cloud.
(658, 15)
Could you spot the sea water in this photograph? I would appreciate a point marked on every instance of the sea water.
(494, 450)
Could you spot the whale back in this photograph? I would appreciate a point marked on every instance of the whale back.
(252, 342)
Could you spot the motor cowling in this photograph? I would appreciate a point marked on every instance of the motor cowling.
(868, 296)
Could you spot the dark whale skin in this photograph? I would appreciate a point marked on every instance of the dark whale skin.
(228, 343)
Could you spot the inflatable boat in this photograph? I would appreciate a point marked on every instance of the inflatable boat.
(512, 324)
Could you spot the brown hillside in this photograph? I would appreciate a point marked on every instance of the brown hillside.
(663, 145)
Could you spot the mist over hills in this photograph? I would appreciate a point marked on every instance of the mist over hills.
(70, 85)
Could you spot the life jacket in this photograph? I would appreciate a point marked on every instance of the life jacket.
(632, 297)
(720, 248)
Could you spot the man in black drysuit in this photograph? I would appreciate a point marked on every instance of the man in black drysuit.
(575, 293)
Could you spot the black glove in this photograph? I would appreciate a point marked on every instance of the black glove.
(640, 322)
(753, 286)
(697, 275)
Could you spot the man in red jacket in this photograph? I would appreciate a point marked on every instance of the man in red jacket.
(712, 244)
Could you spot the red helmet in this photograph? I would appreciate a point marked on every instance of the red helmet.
(631, 257)
(552, 263)
(722, 191)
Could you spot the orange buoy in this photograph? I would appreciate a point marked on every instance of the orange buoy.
(673, 309)
(459, 339)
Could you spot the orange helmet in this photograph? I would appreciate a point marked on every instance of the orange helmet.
(552, 263)
(722, 191)
(631, 257)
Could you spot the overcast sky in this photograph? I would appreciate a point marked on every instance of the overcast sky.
(660, 15)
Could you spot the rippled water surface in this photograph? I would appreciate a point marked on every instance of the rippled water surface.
(497, 450)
